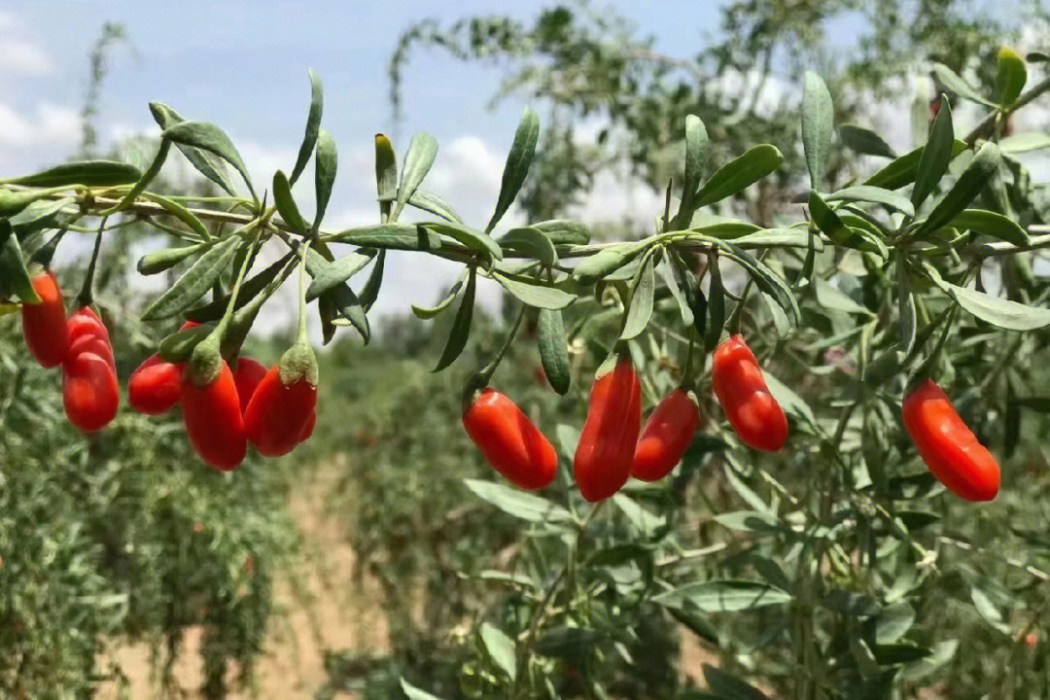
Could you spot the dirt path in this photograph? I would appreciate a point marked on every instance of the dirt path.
(321, 606)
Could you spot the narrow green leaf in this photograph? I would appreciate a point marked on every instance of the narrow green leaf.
(716, 308)
(640, 309)
(429, 312)
(313, 125)
(778, 238)
(874, 195)
(817, 114)
(564, 231)
(500, 649)
(477, 241)
(997, 311)
(147, 177)
(161, 260)
(326, 163)
(386, 174)
(208, 137)
(902, 171)
(666, 270)
(340, 298)
(992, 224)
(696, 147)
(865, 141)
(533, 292)
(525, 506)
(532, 242)
(965, 189)
(413, 693)
(1011, 75)
(1023, 143)
(390, 236)
(418, 161)
(286, 206)
(766, 280)
(726, 687)
(207, 164)
(519, 160)
(178, 346)
(181, 213)
(954, 83)
(38, 215)
(193, 284)
(251, 288)
(606, 261)
(370, 292)
(554, 350)
(334, 273)
(13, 272)
(739, 174)
(841, 235)
(726, 596)
(936, 155)
(89, 173)
(457, 337)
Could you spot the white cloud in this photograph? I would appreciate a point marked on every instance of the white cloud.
(23, 58)
(49, 124)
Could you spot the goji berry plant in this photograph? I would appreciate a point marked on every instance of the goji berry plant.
(793, 500)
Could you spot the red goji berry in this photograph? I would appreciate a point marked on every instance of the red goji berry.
(947, 446)
(86, 321)
(277, 413)
(90, 391)
(741, 390)
(212, 416)
(509, 441)
(155, 386)
(247, 375)
(44, 324)
(666, 436)
(308, 429)
(605, 452)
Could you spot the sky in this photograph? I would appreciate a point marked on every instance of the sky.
(243, 65)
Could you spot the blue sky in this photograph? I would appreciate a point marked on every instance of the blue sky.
(242, 64)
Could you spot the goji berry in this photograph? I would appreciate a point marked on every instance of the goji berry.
(605, 452)
(44, 324)
(947, 446)
(509, 441)
(90, 391)
(666, 436)
(247, 374)
(744, 396)
(211, 413)
(278, 413)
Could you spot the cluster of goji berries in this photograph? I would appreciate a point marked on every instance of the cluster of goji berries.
(614, 446)
(81, 345)
(222, 412)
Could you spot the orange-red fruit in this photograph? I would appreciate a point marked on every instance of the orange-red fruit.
(741, 390)
(212, 416)
(90, 391)
(155, 386)
(86, 321)
(247, 375)
(510, 442)
(308, 429)
(278, 414)
(605, 452)
(666, 436)
(947, 446)
(44, 324)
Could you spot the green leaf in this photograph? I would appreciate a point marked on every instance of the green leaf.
(477, 241)
(161, 260)
(831, 297)
(793, 404)
(386, 175)
(391, 236)
(181, 213)
(996, 311)
(147, 177)
(641, 520)
(1011, 75)
(340, 298)
(89, 173)
(766, 280)
(727, 687)
(902, 171)
(640, 309)
(567, 642)
(500, 649)
(13, 270)
(865, 141)
(525, 506)
(669, 274)
(534, 292)
(606, 261)
(313, 125)
(874, 195)
(425, 312)
(894, 654)
(992, 224)
(841, 235)
(554, 350)
(208, 137)
(725, 596)
(334, 273)
(1023, 143)
(207, 164)
(987, 610)
(796, 237)
(250, 289)
(418, 161)
(457, 337)
(286, 206)
(739, 174)
(954, 83)
(38, 215)
(532, 242)
(936, 155)
(519, 160)
(817, 114)
(435, 205)
(965, 189)
(564, 231)
(178, 346)
(716, 308)
(326, 162)
(201, 276)
(893, 623)
(370, 292)
(413, 693)
(696, 147)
